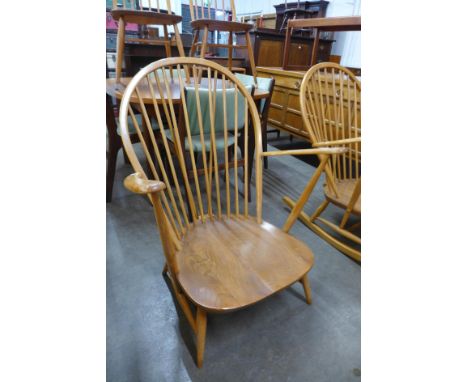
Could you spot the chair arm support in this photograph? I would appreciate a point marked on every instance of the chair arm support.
(338, 142)
(324, 151)
(136, 183)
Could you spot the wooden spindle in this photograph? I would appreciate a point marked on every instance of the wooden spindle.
(236, 133)
(172, 121)
(233, 10)
(190, 144)
(213, 151)
(202, 141)
(160, 163)
(246, 156)
(226, 146)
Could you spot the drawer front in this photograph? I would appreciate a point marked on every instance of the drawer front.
(299, 54)
(285, 110)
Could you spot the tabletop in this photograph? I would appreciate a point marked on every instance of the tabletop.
(116, 89)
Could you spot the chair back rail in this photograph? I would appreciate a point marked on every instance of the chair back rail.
(198, 9)
(192, 196)
(153, 5)
(330, 99)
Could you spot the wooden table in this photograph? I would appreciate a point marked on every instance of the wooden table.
(329, 24)
(116, 89)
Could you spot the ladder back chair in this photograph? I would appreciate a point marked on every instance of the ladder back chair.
(204, 20)
(330, 99)
(132, 11)
(220, 255)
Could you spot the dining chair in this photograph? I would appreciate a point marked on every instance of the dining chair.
(263, 83)
(220, 254)
(205, 20)
(330, 100)
(133, 11)
(200, 97)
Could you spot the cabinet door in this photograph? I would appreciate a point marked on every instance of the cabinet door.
(270, 53)
(299, 54)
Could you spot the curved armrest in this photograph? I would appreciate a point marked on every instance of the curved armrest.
(338, 142)
(136, 183)
(324, 151)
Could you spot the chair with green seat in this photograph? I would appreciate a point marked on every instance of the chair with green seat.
(201, 142)
(263, 83)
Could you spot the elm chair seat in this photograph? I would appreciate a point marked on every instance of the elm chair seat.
(221, 25)
(145, 17)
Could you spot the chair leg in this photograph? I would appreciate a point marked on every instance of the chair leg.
(201, 335)
(193, 49)
(264, 144)
(304, 197)
(111, 164)
(250, 52)
(120, 49)
(308, 294)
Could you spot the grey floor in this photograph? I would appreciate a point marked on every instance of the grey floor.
(279, 339)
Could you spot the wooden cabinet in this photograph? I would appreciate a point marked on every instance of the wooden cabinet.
(285, 111)
(318, 8)
(268, 47)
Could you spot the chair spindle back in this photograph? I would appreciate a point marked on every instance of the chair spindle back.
(330, 99)
(198, 187)
(198, 9)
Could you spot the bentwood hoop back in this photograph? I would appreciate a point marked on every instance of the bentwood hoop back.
(330, 99)
(220, 254)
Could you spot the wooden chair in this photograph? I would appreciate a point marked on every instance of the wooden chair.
(204, 98)
(151, 15)
(220, 256)
(330, 99)
(202, 21)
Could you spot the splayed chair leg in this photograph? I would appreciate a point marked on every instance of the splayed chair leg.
(201, 334)
(308, 294)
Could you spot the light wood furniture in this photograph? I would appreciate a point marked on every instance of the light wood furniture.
(331, 105)
(285, 111)
(152, 15)
(205, 24)
(117, 88)
(330, 24)
(220, 255)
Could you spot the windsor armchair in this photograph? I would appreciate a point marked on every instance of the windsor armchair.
(330, 99)
(220, 256)
(203, 20)
(151, 15)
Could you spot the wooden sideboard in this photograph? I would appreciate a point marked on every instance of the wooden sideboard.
(285, 110)
(269, 47)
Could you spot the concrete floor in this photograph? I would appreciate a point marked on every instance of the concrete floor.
(279, 339)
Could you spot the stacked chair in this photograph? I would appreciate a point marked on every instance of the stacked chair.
(151, 15)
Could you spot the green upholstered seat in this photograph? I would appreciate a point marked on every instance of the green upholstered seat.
(219, 117)
(262, 84)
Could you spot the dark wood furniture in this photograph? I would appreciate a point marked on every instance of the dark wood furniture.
(318, 8)
(268, 48)
(329, 24)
